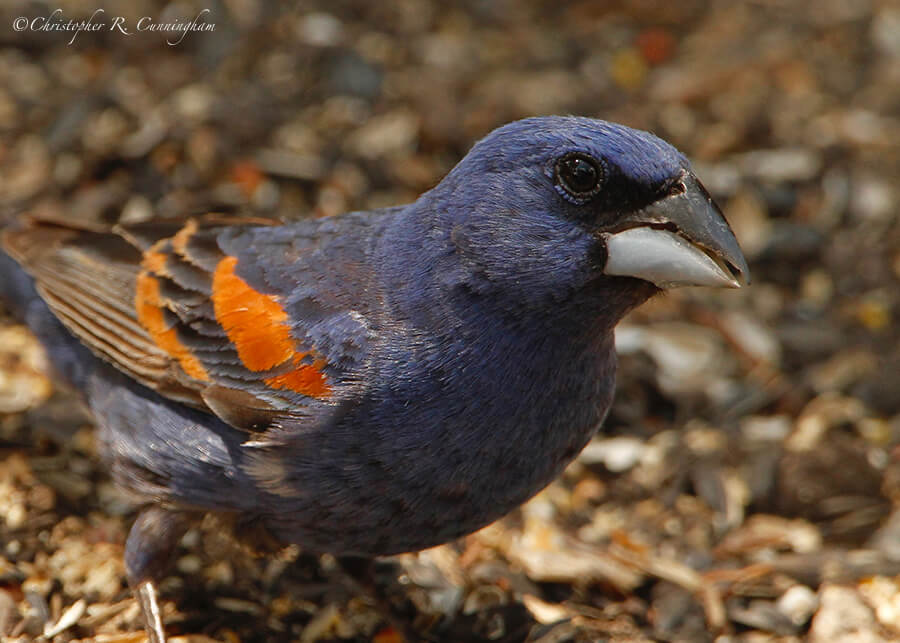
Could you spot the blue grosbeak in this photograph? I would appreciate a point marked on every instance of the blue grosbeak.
(376, 382)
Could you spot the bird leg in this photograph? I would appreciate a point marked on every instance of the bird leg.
(151, 544)
(146, 595)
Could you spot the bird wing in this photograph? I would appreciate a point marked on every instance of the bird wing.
(238, 317)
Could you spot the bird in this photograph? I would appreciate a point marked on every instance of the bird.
(373, 382)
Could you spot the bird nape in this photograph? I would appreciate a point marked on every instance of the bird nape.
(375, 382)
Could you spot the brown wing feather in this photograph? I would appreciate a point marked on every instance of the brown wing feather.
(87, 277)
(139, 297)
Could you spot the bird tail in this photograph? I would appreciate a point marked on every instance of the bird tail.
(19, 296)
(17, 290)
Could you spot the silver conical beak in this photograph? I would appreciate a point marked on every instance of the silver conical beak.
(680, 240)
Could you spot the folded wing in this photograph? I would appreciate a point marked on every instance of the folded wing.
(202, 311)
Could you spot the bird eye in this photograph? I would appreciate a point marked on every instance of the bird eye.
(579, 175)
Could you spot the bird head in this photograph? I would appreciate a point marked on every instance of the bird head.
(560, 202)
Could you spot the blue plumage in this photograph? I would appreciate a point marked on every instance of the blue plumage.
(423, 370)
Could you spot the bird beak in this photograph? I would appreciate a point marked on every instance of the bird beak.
(680, 240)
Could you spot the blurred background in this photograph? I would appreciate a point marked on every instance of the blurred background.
(746, 485)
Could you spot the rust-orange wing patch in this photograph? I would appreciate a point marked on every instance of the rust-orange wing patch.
(256, 352)
(162, 302)
(259, 328)
(148, 305)
(254, 322)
